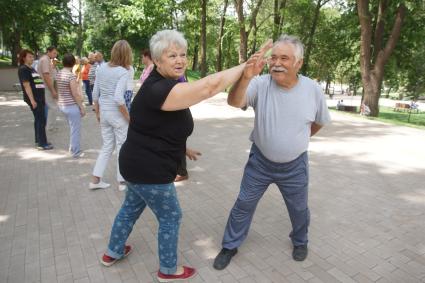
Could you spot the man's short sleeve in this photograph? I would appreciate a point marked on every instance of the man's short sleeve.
(322, 116)
(44, 65)
(252, 91)
(159, 92)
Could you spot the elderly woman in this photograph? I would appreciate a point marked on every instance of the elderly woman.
(111, 111)
(70, 102)
(160, 123)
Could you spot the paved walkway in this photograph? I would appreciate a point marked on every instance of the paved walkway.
(367, 199)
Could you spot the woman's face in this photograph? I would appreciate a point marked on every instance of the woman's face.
(173, 62)
(146, 60)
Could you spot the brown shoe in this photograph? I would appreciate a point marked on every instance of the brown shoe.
(180, 178)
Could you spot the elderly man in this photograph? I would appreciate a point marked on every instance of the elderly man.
(289, 108)
(47, 71)
(96, 59)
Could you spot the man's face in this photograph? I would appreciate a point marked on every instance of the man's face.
(98, 57)
(283, 64)
(52, 54)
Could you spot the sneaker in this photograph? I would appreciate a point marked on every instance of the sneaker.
(78, 155)
(300, 253)
(180, 178)
(188, 273)
(106, 260)
(47, 146)
(122, 186)
(223, 258)
(100, 185)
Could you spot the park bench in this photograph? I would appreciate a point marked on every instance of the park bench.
(347, 108)
(405, 107)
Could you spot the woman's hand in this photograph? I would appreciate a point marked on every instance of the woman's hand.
(82, 111)
(192, 154)
(33, 104)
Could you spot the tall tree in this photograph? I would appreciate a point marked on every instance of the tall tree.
(243, 32)
(219, 65)
(374, 53)
(309, 46)
(204, 38)
(279, 7)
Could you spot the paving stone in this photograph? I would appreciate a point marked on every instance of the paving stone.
(366, 220)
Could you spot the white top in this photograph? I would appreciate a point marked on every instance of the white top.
(110, 86)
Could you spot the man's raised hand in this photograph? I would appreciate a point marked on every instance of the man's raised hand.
(256, 62)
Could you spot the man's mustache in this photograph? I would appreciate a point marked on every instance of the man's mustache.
(279, 69)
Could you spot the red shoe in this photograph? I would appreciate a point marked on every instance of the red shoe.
(188, 273)
(180, 178)
(108, 261)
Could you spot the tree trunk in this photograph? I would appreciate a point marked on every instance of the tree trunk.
(309, 46)
(279, 7)
(244, 34)
(372, 70)
(79, 46)
(220, 37)
(328, 84)
(243, 46)
(204, 39)
(15, 47)
(195, 54)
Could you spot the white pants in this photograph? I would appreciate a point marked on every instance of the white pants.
(114, 128)
(53, 111)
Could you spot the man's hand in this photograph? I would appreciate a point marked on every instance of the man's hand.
(34, 104)
(256, 62)
(192, 154)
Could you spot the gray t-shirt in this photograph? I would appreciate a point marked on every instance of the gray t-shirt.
(283, 118)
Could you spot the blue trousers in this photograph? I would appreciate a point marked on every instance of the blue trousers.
(88, 91)
(39, 123)
(292, 181)
(162, 200)
(73, 116)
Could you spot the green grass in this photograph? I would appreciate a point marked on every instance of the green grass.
(387, 114)
(5, 62)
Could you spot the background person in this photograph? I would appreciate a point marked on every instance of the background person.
(33, 91)
(149, 65)
(70, 102)
(85, 77)
(111, 111)
(47, 71)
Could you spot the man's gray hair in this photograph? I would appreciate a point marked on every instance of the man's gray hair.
(163, 39)
(295, 41)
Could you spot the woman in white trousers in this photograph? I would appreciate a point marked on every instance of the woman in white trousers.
(111, 111)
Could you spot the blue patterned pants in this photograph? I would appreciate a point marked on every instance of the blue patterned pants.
(162, 200)
(127, 97)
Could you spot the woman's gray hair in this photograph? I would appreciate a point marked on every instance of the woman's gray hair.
(163, 39)
(295, 41)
